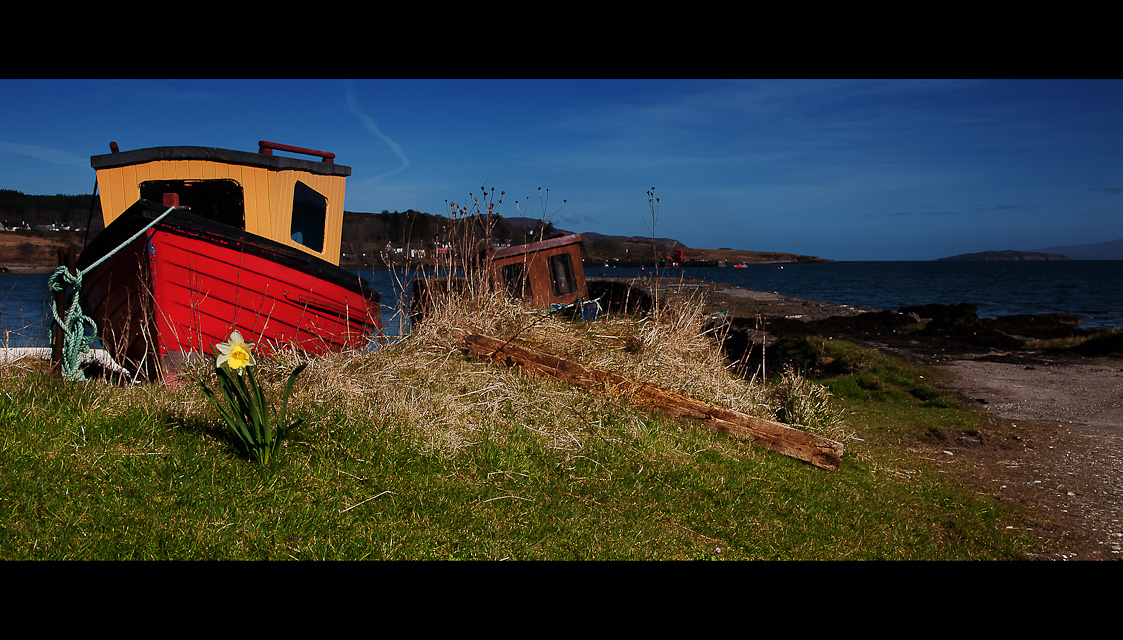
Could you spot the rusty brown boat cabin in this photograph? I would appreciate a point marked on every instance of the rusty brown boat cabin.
(545, 272)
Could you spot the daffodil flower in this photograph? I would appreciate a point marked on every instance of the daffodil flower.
(258, 428)
(235, 353)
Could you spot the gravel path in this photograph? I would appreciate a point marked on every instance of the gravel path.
(1083, 393)
(1061, 455)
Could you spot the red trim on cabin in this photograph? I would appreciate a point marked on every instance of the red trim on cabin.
(266, 148)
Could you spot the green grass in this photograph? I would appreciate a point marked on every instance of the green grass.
(895, 399)
(102, 471)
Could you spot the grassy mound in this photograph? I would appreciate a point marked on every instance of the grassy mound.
(415, 450)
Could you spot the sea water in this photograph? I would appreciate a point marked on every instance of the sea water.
(1089, 289)
(26, 318)
(24, 314)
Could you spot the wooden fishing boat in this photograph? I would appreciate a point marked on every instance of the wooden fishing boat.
(200, 241)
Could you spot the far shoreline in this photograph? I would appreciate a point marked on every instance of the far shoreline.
(23, 269)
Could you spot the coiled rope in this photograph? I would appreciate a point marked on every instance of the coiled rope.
(79, 328)
(578, 304)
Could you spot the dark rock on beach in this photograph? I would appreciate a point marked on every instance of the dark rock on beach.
(962, 313)
(758, 324)
(932, 332)
(1041, 327)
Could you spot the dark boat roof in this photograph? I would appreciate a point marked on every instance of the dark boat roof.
(141, 156)
(541, 245)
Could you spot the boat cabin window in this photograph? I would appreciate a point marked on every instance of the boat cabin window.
(561, 273)
(309, 217)
(218, 200)
(515, 281)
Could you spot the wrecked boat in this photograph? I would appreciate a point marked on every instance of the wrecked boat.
(541, 272)
(200, 241)
(546, 273)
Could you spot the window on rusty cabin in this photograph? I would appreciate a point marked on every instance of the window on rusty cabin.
(218, 200)
(515, 280)
(561, 273)
(309, 217)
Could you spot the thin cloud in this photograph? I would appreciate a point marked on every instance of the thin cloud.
(895, 214)
(178, 93)
(370, 125)
(906, 214)
(47, 154)
(577, 218)
(1007, 208)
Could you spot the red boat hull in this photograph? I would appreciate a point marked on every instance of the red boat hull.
(186, 283)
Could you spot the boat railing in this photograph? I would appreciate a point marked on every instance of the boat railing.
(267, 148)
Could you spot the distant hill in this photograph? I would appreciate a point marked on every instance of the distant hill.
(1112, 250)
(64, 211)
(669, 242)
(367, 237)
(1008, 255)
(367, 234)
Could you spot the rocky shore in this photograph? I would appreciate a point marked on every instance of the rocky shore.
(927, 333)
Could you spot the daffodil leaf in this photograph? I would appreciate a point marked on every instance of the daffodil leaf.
(288, 390)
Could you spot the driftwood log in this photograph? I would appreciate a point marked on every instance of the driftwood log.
(774, 436)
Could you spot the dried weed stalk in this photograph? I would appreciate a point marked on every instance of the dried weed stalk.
(800, 401)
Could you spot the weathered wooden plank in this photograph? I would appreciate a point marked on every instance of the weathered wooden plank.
(781, 438)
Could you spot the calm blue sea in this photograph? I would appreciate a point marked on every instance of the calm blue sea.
(1092, 290)
(25, 314)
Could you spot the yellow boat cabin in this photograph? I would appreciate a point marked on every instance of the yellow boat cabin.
(294, 201)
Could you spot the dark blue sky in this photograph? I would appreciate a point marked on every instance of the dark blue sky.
(848, 170)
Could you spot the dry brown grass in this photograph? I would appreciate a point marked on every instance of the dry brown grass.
(427, 387)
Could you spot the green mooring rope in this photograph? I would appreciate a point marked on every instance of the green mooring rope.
(81, 329)
(78, 340)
